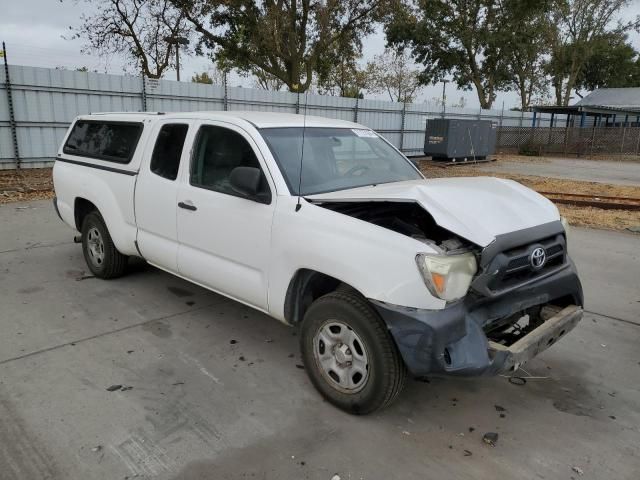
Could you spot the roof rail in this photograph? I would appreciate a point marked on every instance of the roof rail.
(126, 113)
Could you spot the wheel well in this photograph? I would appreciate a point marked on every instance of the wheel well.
(81, 209)
(305, 287)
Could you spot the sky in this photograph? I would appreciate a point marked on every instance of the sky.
(34, 29)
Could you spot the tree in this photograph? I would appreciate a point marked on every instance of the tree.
(461, 38)
(339, 73)
(345, 79)
(461, 103)
(213, 76)
(577, 28)
(614, 63)
(202, 78)
(526, 31)
(265, 81)
(284, 39)
(392, 72)
(144, 31)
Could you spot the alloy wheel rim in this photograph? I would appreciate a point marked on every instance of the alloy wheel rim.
(95, 246)
(341, 356)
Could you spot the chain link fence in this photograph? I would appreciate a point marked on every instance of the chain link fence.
(585, 141)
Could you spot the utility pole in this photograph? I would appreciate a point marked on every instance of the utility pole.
(444, 97)
(177, 41)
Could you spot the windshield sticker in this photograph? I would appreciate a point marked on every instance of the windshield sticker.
(364, 133)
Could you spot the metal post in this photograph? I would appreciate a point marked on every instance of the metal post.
(582, 117)
(12, 116)
(355, 111)
(144, 92)
(404, 113)
(444, 98)
(533, 123)
(298, 104)
(502, 114)
(226, 91)
(521, 117)
(613, 121)
(624, 131)
(177, 41)
(626, 119)
(177, 61)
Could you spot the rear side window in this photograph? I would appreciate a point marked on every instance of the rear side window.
(168, 150)
(111, 141)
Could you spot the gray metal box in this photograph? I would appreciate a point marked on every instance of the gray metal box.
(454, 139)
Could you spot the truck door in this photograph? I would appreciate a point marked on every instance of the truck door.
(225, 235)
(156, 194)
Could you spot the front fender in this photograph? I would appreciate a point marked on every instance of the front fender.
(377, 262)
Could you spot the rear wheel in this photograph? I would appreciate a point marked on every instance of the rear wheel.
(101, 255)
(349, 354)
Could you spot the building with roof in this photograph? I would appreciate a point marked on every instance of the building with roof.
(602, 107)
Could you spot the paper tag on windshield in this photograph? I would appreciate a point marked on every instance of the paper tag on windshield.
(364, 133)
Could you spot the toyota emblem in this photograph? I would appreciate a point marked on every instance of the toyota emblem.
(538, 257)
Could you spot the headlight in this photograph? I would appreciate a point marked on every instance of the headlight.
(565, 224)
(447, 276)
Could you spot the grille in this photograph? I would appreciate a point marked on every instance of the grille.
(513, 266)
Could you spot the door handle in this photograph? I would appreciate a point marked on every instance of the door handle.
(187, 205)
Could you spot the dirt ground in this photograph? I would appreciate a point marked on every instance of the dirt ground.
(36, 184)
(24, 185)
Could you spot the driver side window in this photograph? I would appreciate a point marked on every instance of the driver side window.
(217, 152)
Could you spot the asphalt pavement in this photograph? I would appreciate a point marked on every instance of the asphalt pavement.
(613, 172)
(217, 390)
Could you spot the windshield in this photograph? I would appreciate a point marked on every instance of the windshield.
(335, 159)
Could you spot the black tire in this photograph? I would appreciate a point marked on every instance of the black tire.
(386, 370)
(112, 263)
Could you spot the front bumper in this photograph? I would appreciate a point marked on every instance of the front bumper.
(452, 341)
(510, 358)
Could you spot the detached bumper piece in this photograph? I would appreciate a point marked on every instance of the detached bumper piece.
(510, 358)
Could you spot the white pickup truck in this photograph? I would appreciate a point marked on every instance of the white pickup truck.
(324, 225)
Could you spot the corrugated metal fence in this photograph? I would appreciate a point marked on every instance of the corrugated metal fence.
(44, 101)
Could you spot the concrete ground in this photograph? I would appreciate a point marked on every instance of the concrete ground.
(201, 407)
(601, 171)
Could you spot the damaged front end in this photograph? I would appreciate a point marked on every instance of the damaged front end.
(515, 308)
(513, 311)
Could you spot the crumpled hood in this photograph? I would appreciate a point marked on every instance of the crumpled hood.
(477, 209)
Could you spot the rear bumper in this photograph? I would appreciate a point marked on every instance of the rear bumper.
(55, 206)
(452, 341)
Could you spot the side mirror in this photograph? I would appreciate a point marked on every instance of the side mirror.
(245, 180)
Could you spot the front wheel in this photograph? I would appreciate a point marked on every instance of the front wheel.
(349, 354)
(101, 255)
